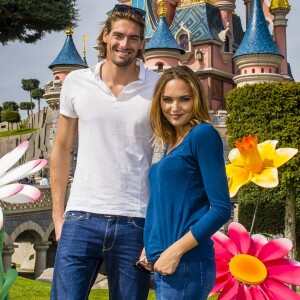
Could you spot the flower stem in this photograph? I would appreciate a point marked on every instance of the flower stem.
(255, 211)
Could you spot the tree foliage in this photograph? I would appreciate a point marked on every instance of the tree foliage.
(27, 106)
(30, 84)
(10, 116)
(10, 105)
(29, 21)
(37, 94)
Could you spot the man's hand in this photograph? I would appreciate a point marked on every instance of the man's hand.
(58, 224)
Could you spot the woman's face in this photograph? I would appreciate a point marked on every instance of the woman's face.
(177, 103)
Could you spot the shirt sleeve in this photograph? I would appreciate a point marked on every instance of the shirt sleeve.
(207, 148)
(67, 98)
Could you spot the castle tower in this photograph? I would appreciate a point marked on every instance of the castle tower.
(162, 51)
(279, 9)
(66, 61)
(258, 56)
(226, 8)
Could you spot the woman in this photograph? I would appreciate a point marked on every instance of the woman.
(189, 199)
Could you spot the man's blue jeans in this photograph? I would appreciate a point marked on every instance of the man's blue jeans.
(191, 281)
(89, 239)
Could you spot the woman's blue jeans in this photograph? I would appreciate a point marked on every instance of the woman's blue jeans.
(89, 239)
(191, 281)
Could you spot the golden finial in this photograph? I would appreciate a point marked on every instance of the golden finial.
(69, 31)
(280, 4)
(162, 8)
(85, 38)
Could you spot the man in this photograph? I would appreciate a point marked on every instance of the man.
(108, 106)
(44, 180)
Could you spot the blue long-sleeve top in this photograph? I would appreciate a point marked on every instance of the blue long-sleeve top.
(188, 191)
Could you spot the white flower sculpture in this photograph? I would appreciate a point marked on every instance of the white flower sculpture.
(15, 193)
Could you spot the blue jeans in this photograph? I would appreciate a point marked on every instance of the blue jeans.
(86, 241)
(191, 281)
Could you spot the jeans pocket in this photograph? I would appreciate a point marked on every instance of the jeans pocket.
(208, 274)
(74, 216)
(138, 223)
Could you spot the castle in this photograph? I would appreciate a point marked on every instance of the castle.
(207, 36)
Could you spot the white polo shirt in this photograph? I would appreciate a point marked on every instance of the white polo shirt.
(114, 152)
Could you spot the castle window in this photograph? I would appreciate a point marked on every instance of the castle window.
(253, 70)
(184, 41)
(270, 70)
(262, 70)
(227, 44)
(160, 67)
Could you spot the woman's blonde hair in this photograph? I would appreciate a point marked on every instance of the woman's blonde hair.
(164, 132)
(114, 17)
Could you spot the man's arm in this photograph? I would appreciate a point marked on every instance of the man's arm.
(60, 167)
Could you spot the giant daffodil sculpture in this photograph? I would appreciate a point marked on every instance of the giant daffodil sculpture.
(255, 162)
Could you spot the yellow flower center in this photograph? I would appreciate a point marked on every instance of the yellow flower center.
(248, 269)
(250, 155)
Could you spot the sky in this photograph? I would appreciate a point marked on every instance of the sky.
(23, 61)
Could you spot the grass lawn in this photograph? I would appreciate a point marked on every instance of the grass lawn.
(26, 289)
(17, 132)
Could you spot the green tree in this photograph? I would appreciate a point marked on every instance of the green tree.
(270, 111)
(10, 105)
(10, 116)
(37, 94)
(29, 21)
(27, 106)
(29, 85)
(0, 113)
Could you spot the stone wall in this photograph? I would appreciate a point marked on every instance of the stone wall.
(40, 144)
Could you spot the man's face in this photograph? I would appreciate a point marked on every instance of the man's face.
(123, 42)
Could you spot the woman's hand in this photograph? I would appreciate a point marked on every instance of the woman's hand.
(167, 262)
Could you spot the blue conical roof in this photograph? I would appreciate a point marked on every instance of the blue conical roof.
(257, 39)
(68, 55)
(162, 38)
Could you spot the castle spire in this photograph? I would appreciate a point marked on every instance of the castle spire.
(257, 57)
(280, 4)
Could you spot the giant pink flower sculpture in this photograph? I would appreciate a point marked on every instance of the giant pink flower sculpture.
(16, 192)
(251, 268)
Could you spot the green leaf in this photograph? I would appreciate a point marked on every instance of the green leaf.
(11, 276)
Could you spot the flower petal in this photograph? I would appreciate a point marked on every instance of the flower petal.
(268, 178)
(279, 291)
(244, 293)
(275, 249)
(235, 157)
(257, 293)
(225, 242)
(281, 262)
(40, 166)
(9, 190)
(240, 236)
(221, 253)
(267, 152)
(222, 268)
(19, 172)
(230, 290)
(283, 155)
(26, 195)
(220, 283)
(259, 241)
(9, 159)
(287, 274)
(238, 177)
